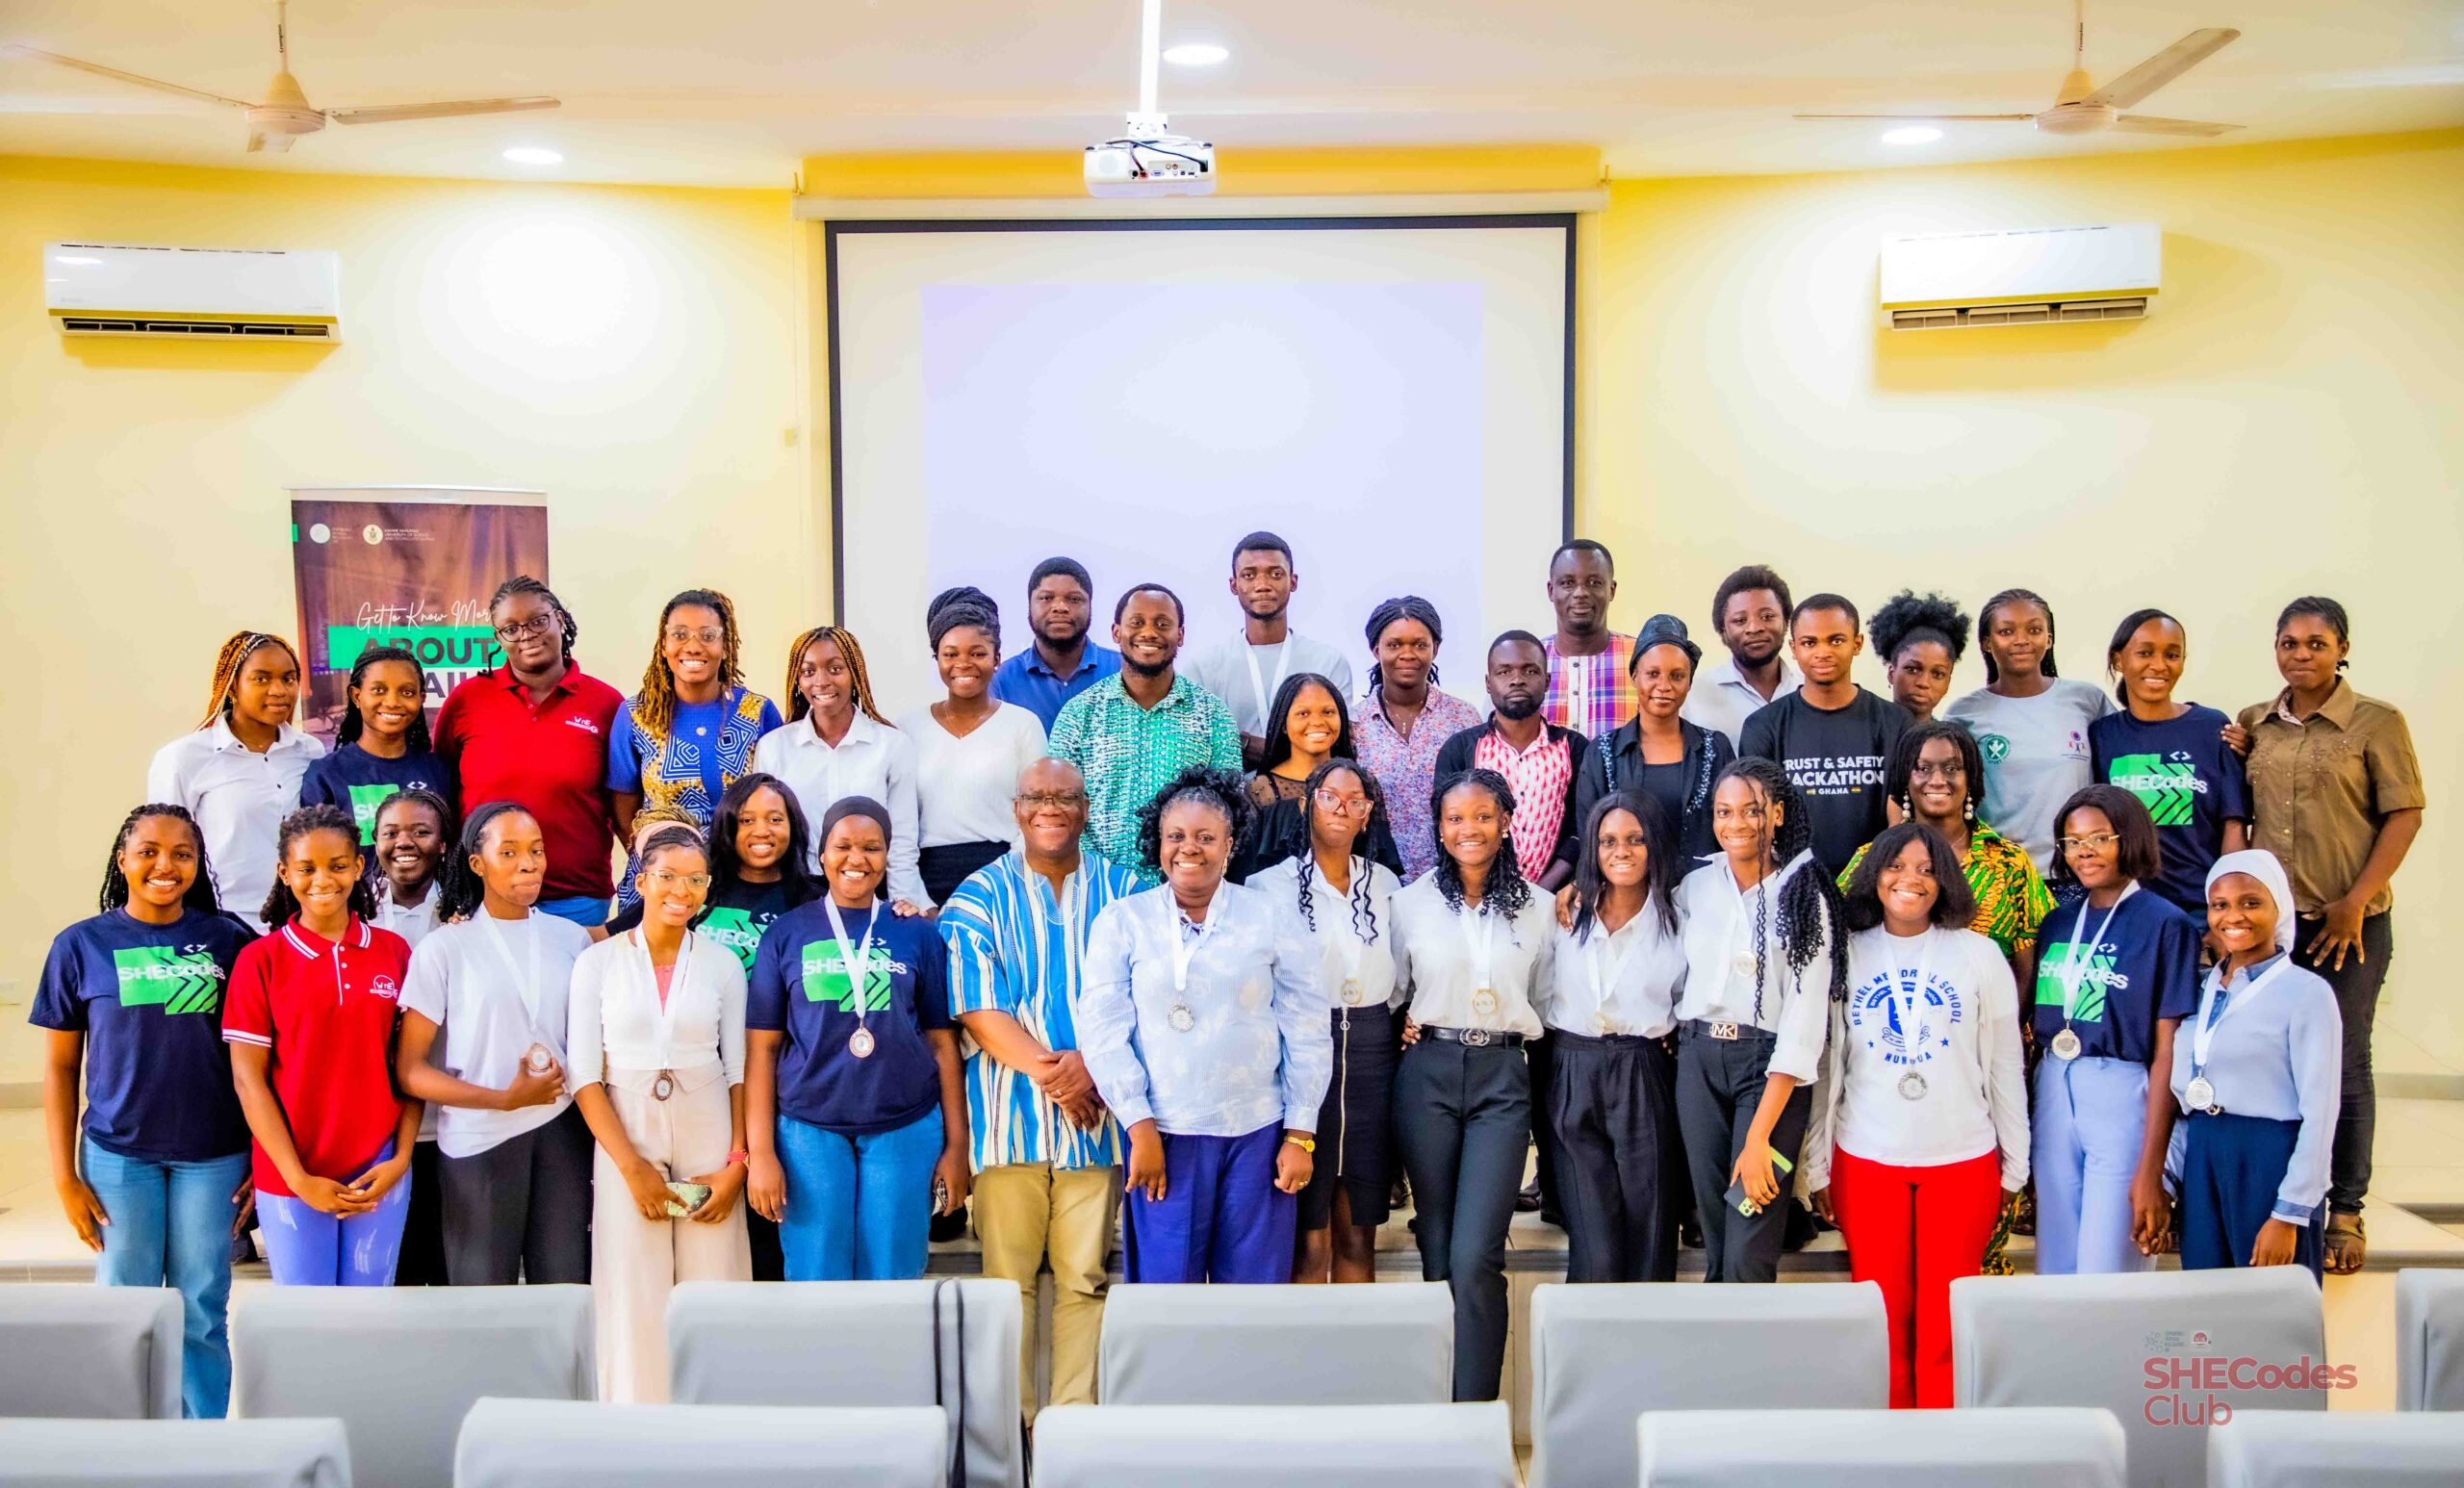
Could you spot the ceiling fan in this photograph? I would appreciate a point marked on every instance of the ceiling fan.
(286, 113)
(2081, 108)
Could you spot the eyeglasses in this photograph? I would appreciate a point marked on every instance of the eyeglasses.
(1342, 805)
(2096, 843)
(1946, 769)
(1061, 799)
(670, 879)
(521, 630)
(707, 635)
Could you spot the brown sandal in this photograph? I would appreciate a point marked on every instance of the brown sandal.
(2347, 1244)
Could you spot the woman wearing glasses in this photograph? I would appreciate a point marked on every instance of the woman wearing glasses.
(534, 730)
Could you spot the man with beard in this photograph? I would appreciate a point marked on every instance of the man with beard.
(1591, 682)
(1063, 662)
(1750, 610)
(1132, 733)
(1245, 670)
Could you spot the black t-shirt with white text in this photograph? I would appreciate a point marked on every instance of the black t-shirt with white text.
(1836, 757)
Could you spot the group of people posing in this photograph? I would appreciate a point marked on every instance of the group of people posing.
(1216, 954)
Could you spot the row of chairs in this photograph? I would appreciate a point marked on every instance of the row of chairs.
(401, 1367)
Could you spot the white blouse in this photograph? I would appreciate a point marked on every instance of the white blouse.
(495, 988)
(1719, 923)
(1623, 982)
(964, 782)
(1347, 959)
(1439, 954)
(615, 1022)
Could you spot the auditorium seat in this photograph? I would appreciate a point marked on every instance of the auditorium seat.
(90, 1351)
(2430, 1340)
(1604, 1354)
(400, 1366)
(1391, 1344)
(1275, 1445)
(2266, 1449)
(563, 1443)
(858, 1342)
(2013, 1448)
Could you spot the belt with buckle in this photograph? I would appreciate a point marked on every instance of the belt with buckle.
(1726, 1032)
(1471, 1038)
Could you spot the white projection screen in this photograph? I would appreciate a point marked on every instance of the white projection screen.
(1393, 396)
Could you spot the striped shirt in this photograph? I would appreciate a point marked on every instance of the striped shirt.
(1128, 753)
(1592, 695)
(1014, 950)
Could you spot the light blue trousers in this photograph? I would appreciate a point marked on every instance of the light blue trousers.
(2090, 1121)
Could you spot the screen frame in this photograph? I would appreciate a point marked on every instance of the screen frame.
(1564, 221)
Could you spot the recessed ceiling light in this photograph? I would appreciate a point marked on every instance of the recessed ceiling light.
(534, 155)
(1195, 54)
(1911, 134)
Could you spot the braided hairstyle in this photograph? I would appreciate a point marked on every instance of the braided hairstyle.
(964, 606)
(428, 801)
(655, 710)
(524, 583)
(1664, 860)
(1364, 914)
(1899, 775)
(199, 899)
(228, 661)
(2327, 612)
(462, 891)
(671, 836)
(728, 818)
(1908, 618)
(1506, 890)
(281, 904)
(1222, 789)
(354, 724)
(1808, 907)
(860, 683)
(1404, 606)
(1985, 628)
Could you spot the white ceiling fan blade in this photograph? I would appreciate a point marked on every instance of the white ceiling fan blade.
(1930, 119)
(157, 84)
(396, 113)
(2162, 68)
(2150, 125)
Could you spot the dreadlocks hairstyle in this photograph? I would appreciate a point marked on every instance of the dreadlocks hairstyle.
(728, 818)
(1908, 618)
(1809, 902)
(354, 724)
(281, 904)
(428, 801)
(228, 661)
(524, 583)
(200, 897)
(1954, 901)
(1364, 914)
(2120, 643)
(1506, 890)
(1899, 775)
(461, 890)
(2327, 611)
(1222, 789)
(2138, 853)
(1985, 628)
(860, 683)
(1404, 606)
(1662, 862)
(966, 606)
(1279, 717)
(656, 709)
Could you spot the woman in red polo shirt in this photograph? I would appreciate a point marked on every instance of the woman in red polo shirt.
(309, 1019)
(534, 732)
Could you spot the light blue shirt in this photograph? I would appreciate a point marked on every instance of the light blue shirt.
(1258, 1050)
(2277, 1055)
(1014, 950)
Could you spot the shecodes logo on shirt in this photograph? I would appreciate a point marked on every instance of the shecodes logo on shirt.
(2168, 785)
(366, 799)
(165, 977)
(2097, 980)
(1873, 1016)
(825, 979)
(734, 929)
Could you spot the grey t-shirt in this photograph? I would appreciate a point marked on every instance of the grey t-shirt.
(1223, 670)
(2036, 755)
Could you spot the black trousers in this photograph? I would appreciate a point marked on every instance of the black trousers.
(2356, 988)
(1611, 1103)
(1719, 1085)
(1462, 1120)
(421, 1263)
(1541, 1055)
(521, 1210)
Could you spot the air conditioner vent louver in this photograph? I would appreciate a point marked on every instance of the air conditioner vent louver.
(125, 325)
(1952, 319)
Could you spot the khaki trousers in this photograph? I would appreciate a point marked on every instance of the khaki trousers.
(1025, 1212)
(634, 1262)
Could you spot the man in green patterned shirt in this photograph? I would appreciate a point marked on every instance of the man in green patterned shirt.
(1129, 734)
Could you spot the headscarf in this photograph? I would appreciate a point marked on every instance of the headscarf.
(1666, 631)
(855, 805)
(2260, 864)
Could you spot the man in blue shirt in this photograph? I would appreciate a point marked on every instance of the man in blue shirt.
(1063, 662)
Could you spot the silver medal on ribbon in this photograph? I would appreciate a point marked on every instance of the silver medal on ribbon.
(2066, 1045)
(2200, 1094)
(860, 1043)
(1911, 1086)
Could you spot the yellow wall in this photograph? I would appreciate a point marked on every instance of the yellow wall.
(637, 353)
(2285, 422)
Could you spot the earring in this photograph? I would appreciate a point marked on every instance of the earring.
(1968, 809)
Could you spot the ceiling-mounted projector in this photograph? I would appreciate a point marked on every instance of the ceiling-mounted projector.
(1147, 159)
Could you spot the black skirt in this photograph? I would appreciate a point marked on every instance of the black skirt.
(946, 868)
(1355, 1125)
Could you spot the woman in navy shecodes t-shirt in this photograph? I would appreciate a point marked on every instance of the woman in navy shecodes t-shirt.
(2173, 756)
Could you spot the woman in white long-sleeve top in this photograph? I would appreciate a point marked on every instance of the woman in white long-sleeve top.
(1760, 923)
(1921, 1118)
(2258, 1070)
(656, 1040)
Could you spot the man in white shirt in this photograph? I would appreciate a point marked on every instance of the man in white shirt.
(1245, 670)
(1750, 610)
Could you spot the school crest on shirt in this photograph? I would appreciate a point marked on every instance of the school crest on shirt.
(825, 979)
(1874, 1016)
(172, 979)
(1996, 748)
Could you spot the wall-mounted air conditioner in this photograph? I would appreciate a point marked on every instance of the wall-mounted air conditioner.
(98, 289)
(2038, 277)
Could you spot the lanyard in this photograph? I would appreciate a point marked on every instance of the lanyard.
(1072, 905)
(1907, 997)
(857, 963)
(1185, 947)
(2203, 1036)
(1258, 679)
(1346, 941)
(2075, 970)
(676, 983)
(527, 986)
(1480, 936)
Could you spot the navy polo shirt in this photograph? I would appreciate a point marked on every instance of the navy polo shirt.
(359, 783)
(799, 988)
(2145, 969)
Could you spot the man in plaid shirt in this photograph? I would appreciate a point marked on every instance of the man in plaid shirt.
(1591, 677)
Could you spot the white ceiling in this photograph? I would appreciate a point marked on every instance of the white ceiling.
(734, 92)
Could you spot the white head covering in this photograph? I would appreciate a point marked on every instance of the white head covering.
(2260, 864)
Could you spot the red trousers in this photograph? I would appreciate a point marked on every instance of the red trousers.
(1913, 1230)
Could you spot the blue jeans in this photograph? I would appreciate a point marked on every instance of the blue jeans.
(308, 1247)
(858, 1207)
(588, 914)
(171, 1225)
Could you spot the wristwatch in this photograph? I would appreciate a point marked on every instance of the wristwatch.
(1303, 1141)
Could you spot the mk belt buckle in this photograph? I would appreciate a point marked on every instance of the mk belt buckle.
(1722, 1030)
(1475, 1038)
